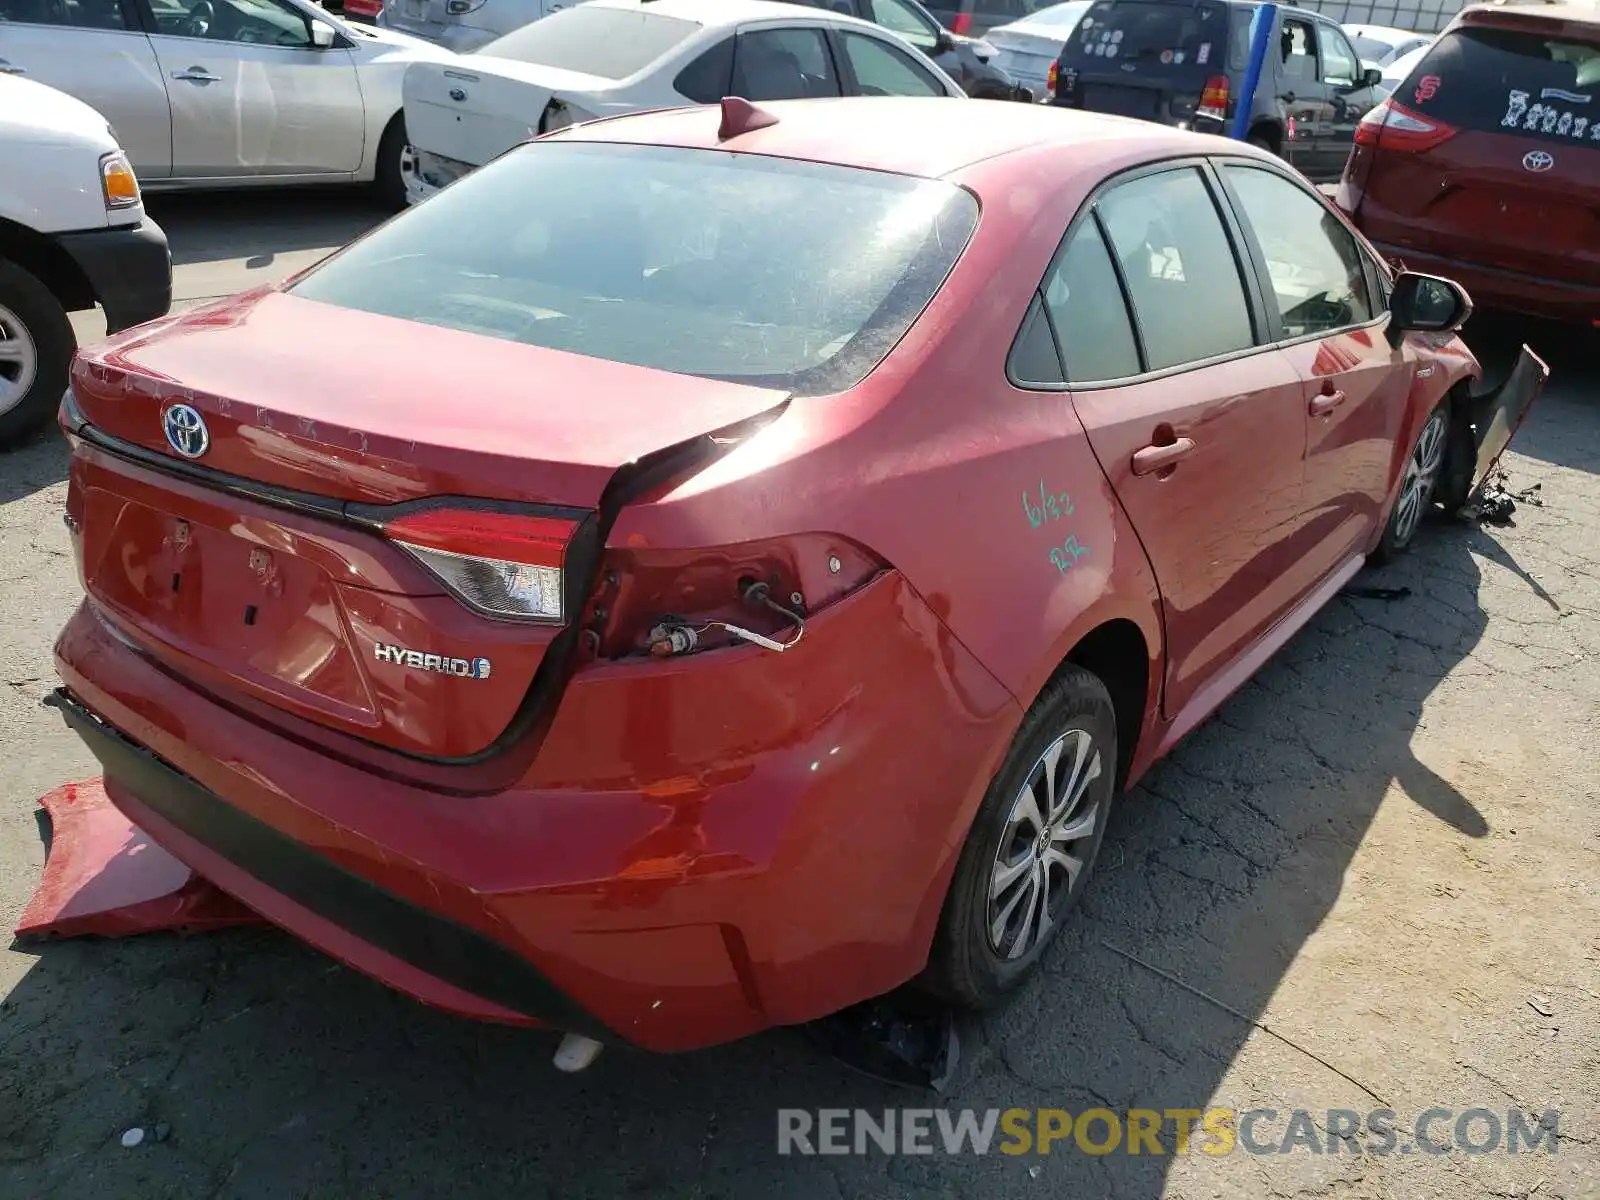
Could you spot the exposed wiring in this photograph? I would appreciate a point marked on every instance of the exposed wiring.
(671, 637)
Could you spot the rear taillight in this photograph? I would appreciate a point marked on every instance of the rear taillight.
(502, 564)
(962, 23)
(1051, 78)
(1214, 99)
(1396, 127)
(672, 602)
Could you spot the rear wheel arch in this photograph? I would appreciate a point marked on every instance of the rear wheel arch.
(47, 262)
(1268, 135)
(1117, 654)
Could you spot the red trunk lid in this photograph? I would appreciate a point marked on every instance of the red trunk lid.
(247, 571)
(1514, 184)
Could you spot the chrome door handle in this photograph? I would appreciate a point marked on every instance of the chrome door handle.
(1156, 458)
(1326, 403)
(7, 69)
(197, 75)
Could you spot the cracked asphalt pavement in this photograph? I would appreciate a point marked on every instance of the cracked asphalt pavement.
(1372, 881)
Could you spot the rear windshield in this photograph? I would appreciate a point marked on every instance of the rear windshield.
(762, 270)
(1503, 81)
(1150, 33)
(609, 43)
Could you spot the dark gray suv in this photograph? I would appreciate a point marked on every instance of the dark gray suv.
(1182, 62)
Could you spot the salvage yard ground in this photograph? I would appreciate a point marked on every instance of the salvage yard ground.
(1381, 863)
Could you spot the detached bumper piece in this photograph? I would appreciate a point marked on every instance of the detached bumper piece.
(431, 943)
(104, 877)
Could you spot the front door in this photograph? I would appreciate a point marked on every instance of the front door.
(1332, 328)
(1203, 438)
(95, 51)
(252, 95)
(1301, 93)
(1349, 98)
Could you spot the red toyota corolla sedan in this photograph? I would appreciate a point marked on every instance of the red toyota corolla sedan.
(710, 567)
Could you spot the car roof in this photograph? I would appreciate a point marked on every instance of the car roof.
(1574, 12)
(909, 135)
(718, 13)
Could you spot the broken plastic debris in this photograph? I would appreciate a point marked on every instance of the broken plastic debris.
(132, 1137)
(1541, 1005)
(877, 1039)
(103, 875)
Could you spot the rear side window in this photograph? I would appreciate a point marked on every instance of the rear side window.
(762, 270)
(1084, 301)
(783, 64)
(1182, 275)
(84, 14)
(1150, 33)
(608, 43)
(705, 80)
(1510, 81)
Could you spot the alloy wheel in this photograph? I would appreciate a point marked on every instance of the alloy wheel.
(1421, 473)
(19, 360)
(1048, 833)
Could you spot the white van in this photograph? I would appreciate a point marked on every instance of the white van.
(464, 25)
(73, 234)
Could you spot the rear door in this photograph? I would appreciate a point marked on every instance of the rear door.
(94, 50)
(252, 95)
(1144, 58)
(1508, 171)
(1200, 428)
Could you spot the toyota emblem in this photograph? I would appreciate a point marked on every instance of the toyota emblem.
(1538, 160)
(186, 430)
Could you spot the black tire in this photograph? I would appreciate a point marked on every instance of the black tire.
(966, 967)
(34, 307)
(1433, 439)
(387, 181)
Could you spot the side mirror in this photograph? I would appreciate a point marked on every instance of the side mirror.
(1372, 77)
(322, 34)
(943, 43)
(1426, 304)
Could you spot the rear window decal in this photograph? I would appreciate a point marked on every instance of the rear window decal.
(1427, 88)
(1569, 97)
(1547, 118)
(1203, 55)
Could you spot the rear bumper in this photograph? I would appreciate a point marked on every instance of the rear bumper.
(130, 270)
(1490, 287)
(701, 850)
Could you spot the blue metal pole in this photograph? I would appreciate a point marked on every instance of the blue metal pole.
(1261, 27)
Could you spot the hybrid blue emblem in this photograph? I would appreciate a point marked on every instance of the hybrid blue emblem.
(186, 430)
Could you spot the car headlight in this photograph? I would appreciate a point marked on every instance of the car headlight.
(118, 184)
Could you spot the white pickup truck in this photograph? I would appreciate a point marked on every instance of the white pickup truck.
(73, 234)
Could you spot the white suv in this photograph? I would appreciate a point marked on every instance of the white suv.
(73, 234)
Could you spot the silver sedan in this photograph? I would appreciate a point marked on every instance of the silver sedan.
(209, 93)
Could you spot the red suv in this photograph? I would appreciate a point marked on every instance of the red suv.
(1484, 165)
